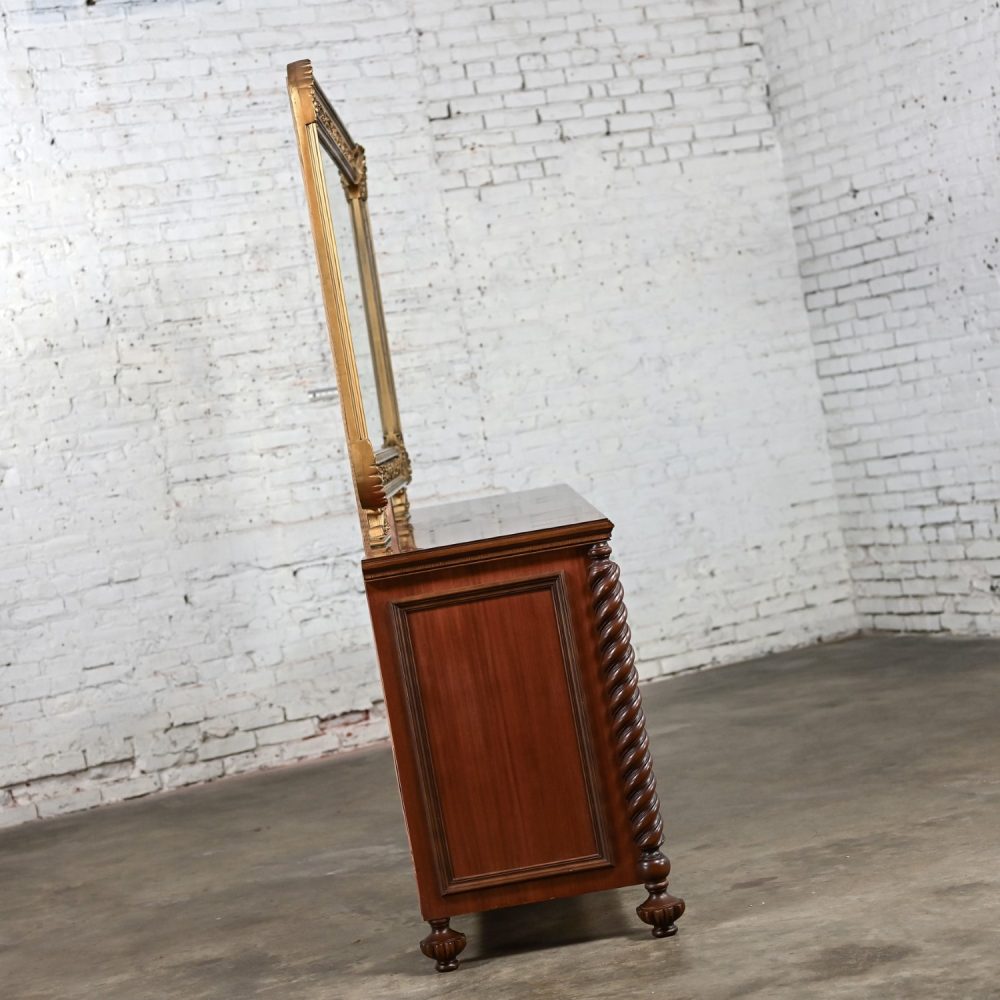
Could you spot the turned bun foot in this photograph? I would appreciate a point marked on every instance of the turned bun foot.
(443, 945)
(660, 910)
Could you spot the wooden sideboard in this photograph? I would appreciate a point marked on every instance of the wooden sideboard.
(513, 702)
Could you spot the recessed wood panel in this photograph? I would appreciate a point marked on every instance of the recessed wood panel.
(504, 747)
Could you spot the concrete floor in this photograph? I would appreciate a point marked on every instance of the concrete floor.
(833, 816)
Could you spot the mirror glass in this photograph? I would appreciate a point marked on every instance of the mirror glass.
(343, 231)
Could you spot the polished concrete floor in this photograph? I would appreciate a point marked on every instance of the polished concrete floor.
(833, 816)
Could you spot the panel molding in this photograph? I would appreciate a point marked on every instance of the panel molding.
(449, 883)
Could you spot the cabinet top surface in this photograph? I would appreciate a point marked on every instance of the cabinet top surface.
(454, 528)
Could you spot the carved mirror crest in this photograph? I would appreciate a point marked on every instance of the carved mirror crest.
(353, 305)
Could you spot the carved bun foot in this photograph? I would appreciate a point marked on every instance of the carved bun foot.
(660, 910)
(443, 945)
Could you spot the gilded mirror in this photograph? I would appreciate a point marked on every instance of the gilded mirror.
(336, 184)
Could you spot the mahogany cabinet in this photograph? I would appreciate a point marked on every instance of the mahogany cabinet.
(516, 723)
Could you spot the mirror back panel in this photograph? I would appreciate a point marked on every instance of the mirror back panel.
(334, 173)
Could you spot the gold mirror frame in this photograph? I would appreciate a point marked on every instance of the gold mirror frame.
(381, 475)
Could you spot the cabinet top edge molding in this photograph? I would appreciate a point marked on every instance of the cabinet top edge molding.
(506, 523)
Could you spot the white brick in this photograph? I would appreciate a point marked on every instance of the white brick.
(286, 732)
(237, 743)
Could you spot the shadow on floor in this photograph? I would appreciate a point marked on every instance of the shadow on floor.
(551, 924)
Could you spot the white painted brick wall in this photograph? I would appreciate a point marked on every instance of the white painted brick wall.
(888, 116)
(589, 277)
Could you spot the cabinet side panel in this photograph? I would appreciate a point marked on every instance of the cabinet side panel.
(392, 600)
(508, 772)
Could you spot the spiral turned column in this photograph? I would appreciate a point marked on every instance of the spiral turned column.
(628, 725)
